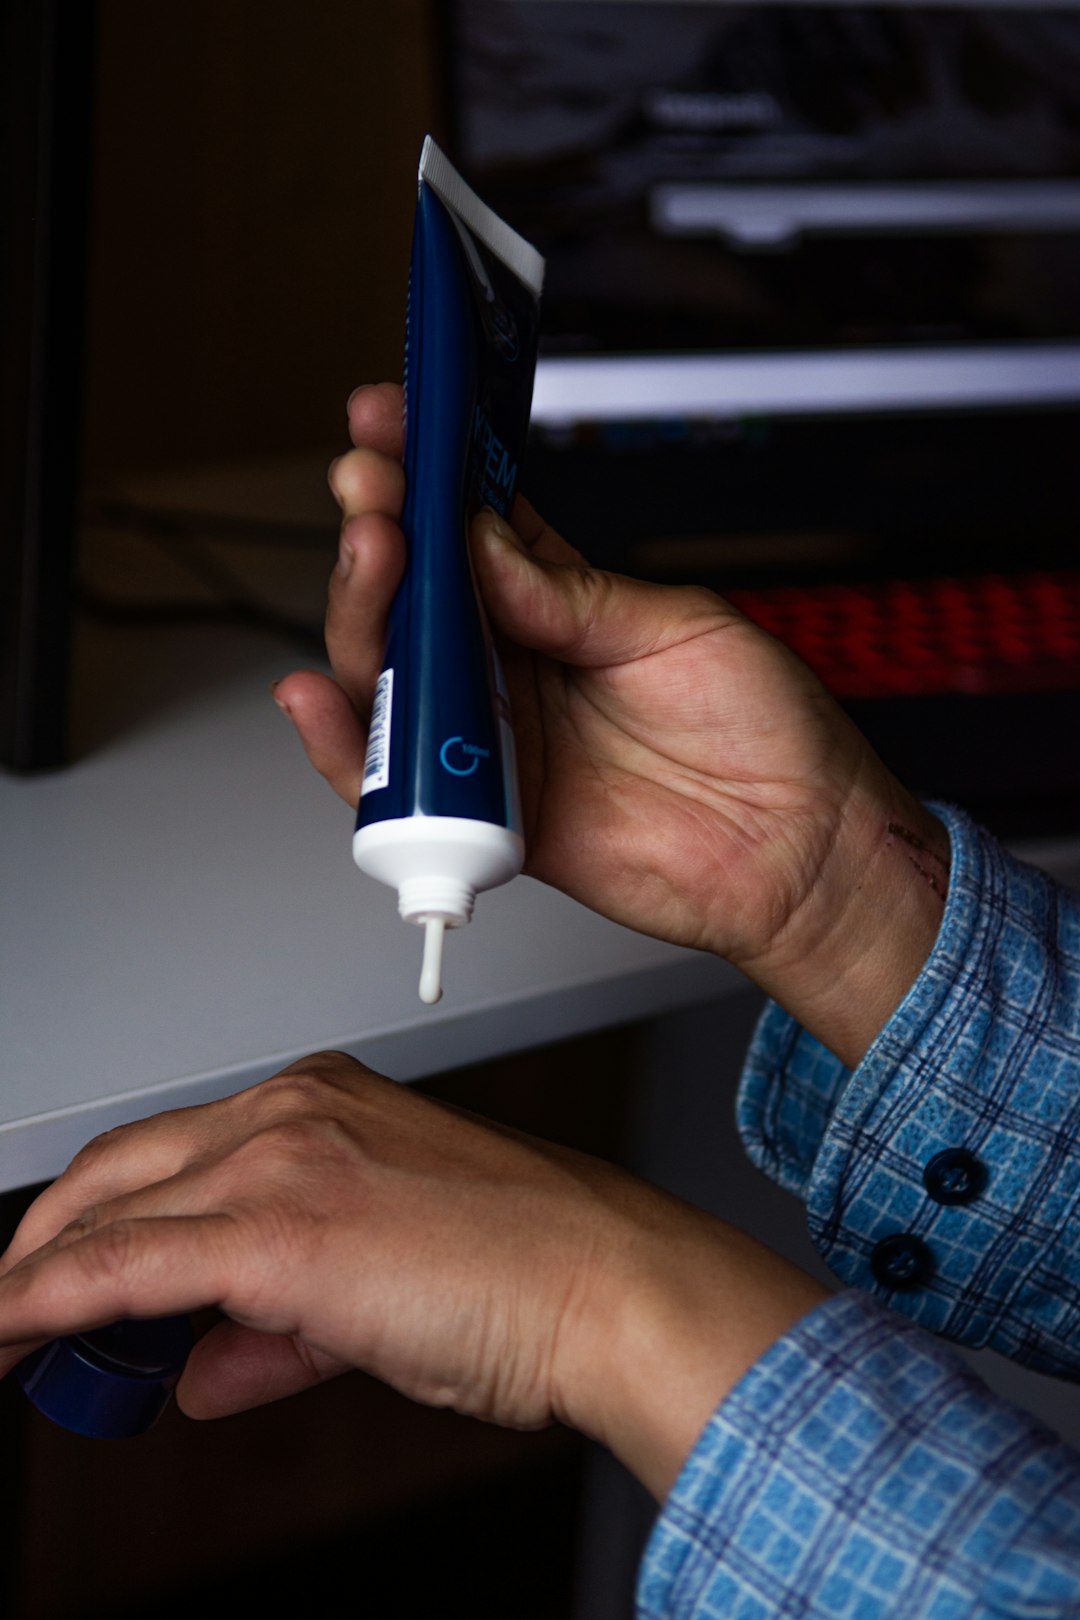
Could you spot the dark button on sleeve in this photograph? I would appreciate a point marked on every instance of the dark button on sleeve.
(901, 1260)
(954, 1176)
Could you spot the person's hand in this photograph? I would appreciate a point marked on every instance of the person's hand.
(681, 771)
(340, 1220)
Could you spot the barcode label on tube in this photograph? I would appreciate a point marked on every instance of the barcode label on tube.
(377, 762)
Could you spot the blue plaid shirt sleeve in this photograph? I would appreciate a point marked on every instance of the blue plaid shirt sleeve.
(861, 1471)
(943, 1174)
(860, 1468)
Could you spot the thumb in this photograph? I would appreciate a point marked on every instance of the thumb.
(578, 614)
(233, 1368)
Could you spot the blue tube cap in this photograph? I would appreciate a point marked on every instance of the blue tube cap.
(110, 1383)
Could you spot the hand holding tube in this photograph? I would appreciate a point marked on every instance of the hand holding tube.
(681, 771)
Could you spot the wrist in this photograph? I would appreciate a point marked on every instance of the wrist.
(666, 1334)
(844, 962)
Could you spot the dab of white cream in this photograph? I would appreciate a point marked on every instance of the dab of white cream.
(431, 971)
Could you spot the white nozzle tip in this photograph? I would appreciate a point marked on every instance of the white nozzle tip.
(431, 971)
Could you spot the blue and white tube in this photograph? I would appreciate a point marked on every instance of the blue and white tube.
(439, 817)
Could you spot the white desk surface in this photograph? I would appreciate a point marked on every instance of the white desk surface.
(181, 917)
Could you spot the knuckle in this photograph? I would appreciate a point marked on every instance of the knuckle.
(286, 1143)
(704, 607)
(78, 1227)
(700, 599)
(315, 1077)
(112, 1250)
(292, 1093)
(297, 1116)
(592, 588)
(359, 477)
(339, 474)
(99, 1148)
(327, 1062)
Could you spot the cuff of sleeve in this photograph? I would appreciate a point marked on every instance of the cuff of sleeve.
(791, 1085)
(860, 1469)
(979, 1060)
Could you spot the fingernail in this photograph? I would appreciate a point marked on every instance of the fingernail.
(344, 558)
(363, 388)
(284, 707)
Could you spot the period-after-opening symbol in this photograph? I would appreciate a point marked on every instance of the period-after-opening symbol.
(461, 758)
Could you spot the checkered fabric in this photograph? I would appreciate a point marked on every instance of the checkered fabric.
(982, 1055)
(861, 1469)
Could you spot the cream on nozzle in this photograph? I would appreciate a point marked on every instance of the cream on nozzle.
(431, 970)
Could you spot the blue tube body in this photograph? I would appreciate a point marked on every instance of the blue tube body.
(440, 741)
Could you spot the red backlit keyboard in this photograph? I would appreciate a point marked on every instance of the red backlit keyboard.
(990, 633)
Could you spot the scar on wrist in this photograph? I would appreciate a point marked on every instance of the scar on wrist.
(930, 866)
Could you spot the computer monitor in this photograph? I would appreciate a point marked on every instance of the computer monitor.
(823, 207)
(46, 76)
(838, 243)
(811, 333)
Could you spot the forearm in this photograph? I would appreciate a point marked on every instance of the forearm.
(671, 1329)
